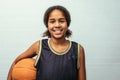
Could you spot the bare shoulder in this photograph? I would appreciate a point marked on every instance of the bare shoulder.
(33, 49)
(82, 52)
(82, 70)
(82, 49)
(35, 46)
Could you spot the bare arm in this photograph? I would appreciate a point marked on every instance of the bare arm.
(82, 69)
(29, 53)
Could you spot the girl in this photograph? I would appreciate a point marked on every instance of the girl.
(57, 57)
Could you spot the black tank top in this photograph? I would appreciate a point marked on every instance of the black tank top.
(54, 66)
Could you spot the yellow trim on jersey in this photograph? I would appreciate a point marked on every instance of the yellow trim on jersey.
(39, 52)
(59, 53)
(78, 60)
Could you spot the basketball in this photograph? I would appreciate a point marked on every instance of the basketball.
(24, 70)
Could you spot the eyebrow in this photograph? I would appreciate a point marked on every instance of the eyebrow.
(51, 19)
(59, 19)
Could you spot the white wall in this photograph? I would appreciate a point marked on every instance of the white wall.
(95, 24)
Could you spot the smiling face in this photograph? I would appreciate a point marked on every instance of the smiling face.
(57, 24)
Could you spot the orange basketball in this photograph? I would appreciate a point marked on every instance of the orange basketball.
(24, 70)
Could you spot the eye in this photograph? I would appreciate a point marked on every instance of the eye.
(51, 21)
(62, 21)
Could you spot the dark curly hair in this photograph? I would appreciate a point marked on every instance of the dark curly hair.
(66, 15)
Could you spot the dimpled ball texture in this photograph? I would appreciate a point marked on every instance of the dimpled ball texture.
(24, 70)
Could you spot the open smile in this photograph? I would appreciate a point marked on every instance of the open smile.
(57, 30)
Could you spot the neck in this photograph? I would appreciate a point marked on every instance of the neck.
(59, 46)
(58, 41)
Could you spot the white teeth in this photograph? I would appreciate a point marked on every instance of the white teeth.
(57, 30)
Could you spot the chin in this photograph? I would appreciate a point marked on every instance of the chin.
(58, 37)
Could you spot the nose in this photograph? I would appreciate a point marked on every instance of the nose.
(57, 24)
